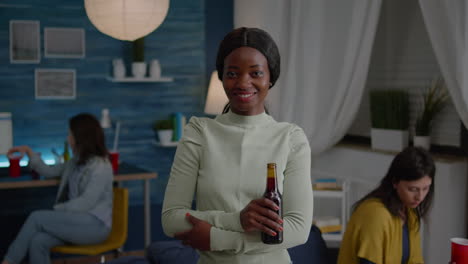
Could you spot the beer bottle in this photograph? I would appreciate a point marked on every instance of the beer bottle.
(273, 194)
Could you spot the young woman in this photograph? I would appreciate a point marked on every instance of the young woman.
(83, 210)
(223, 161)
(384, 227)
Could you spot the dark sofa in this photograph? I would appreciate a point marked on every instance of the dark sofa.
(314, 251)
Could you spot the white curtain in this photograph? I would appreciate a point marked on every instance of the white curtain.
(325, 48)
(446, 23)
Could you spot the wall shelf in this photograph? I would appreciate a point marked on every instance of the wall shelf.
(171, 144)
(339, 195)
(327, 193)
(333, 237)
(144, 79)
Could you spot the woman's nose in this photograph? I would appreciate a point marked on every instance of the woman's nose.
(419, 195)
(244, 81)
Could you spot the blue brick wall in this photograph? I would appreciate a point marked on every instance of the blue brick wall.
(181, 44)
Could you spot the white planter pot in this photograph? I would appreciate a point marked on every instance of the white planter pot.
(139, 69)
(165, 136)
(422, 141)
(118, 68)
(389, 139)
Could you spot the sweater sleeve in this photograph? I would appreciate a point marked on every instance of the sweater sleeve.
(36, 163)
(297, 206)
(98, 179)
(181, 187)
(373, 225)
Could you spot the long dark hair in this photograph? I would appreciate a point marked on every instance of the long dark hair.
(89, 137)
(412, 164)
(249, 37)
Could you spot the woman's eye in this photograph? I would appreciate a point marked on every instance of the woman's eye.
(231, 74)
(258, 74)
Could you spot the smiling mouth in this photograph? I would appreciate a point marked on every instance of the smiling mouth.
(245, 96)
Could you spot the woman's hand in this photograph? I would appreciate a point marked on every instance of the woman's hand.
(260, 214)
(198, 237)
(21, 149)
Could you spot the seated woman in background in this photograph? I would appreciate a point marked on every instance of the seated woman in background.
(83, 210)
(384, 227)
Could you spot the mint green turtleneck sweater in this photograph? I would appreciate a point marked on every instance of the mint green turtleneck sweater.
(222, 163)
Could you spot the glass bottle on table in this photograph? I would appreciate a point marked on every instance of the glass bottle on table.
(272, 193)
(66, 152)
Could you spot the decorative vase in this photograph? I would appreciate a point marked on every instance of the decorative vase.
(155, 69)
(165, 136)
(118, 68)
(422, 141)
(139, 69)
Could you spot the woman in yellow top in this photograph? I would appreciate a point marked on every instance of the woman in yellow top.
(384, 227)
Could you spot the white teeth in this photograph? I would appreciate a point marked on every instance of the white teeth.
(244, 95)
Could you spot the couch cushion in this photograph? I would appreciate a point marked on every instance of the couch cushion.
(170, 252)
(313, 251)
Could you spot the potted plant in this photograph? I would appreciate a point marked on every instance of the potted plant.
(164, 130)
(139, 64)
(434, 101)
(390, 119)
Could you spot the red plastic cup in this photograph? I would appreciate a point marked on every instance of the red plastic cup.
(114, 159)
(459, 250)
(15, 169)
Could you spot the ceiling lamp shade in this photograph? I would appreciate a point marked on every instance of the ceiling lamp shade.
(126, 19)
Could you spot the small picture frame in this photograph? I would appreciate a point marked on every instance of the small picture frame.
(25, 41)
(64, 42)
(55, 84)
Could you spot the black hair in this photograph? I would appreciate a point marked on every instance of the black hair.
(250, 37)
(411, 164)
(89, 137)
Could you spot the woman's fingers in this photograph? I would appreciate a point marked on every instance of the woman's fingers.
(269, 209)
(267, 203)
(268, 226)
(260, 214)
(21, 149)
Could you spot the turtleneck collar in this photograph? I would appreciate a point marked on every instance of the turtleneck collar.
(244, 120)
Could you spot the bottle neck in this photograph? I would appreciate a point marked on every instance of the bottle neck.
(271, 180)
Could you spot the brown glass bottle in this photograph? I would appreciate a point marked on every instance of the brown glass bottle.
(273, 194)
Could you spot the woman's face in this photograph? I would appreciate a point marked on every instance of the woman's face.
(246, 80)
(412, 193)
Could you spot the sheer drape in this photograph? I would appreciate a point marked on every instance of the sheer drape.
(446, 24)
(325, 47)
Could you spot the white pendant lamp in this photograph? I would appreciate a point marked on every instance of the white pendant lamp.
(126, 19)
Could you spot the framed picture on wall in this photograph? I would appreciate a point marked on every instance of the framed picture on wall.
(55, 84)
(25, 41)
(64, 42)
